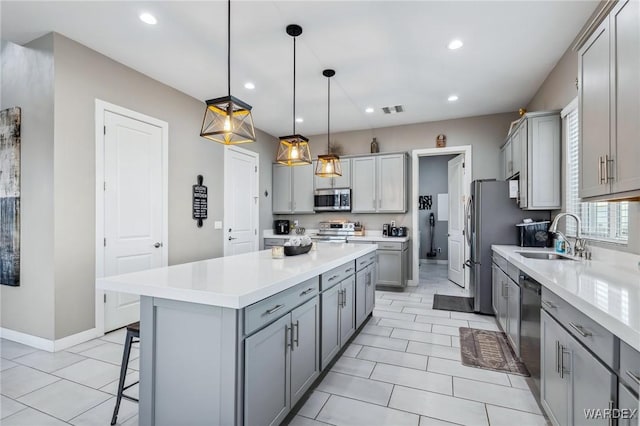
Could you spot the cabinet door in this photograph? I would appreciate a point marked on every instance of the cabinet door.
(347, 311)
(625, 85)
(266, 377)
(302, 183)
(517, 149)
(502, 300)
(502, 166)
(522, 165)
(554, 389)
(281, 190)
(406, 266)
(513, 315)
(364, 185)
(495, 288)
(544, 153)
(343, 181)
(389, 270)
(305, 352)
(508, 159)
(330, 329)
(361, 296)
(627, 401)
(593, 74)
(370, 284)
(391, 181)
(592, 384)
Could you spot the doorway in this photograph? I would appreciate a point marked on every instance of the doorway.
(441, 179)
(241, 208)
(131, 205)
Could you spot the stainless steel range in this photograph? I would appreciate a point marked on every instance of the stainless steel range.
(335, 231)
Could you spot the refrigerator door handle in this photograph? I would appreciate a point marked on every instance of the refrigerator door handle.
(467, 224)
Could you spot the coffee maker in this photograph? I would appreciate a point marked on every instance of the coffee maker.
(281, 227)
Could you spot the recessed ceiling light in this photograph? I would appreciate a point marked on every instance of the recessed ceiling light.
(455, 44)
(369, 110)
(452, 98)
(148, 18)
(249, 85)
(299, 120)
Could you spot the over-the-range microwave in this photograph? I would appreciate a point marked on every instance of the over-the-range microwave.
(332, 200)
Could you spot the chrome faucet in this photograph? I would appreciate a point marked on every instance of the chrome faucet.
(580, 245)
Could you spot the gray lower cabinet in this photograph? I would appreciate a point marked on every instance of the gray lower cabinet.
(370, 299)
(338, 318)
(365, 293)
(270, 242)
(392, 264)
(281, 363)
(572, 379)
(627, 403)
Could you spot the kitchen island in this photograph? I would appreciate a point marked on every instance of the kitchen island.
(240, 339)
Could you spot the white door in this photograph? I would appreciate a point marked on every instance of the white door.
(240, 201)
(133, 208)
(456, 219)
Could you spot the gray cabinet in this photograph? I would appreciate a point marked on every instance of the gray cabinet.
(343, 181)
(513, 315)
(266, 369)
(281, 363)
(338, 318)
(627, 402)
(572, 378)
(362, 277)
(292, 189)
(270, 242)
(370, 289)
(393, 264)
(379, 184)
(609, 106)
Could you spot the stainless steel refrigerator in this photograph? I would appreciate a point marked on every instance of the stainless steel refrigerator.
(490, 218)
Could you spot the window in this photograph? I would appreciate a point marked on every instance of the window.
(600, 220)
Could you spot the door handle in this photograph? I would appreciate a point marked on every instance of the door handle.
(232, 238)
(157, 245)
(296, 328)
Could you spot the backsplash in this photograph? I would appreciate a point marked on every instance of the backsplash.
(371, 222)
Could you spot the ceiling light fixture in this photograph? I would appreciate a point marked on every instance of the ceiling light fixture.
(328, 165)
(455, 44)
(228, 120)
(249, 85)
(369, 110)
(293, 149)
(452, 98)
(148, 18)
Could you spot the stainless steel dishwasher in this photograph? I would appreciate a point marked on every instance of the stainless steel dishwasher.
(530, 327)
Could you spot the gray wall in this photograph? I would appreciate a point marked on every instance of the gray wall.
(557, 91)
(484, 133)
(433, 180)
(71, 174)
(27, 82)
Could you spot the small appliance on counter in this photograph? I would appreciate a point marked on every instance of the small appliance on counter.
(402, 231)
(391, 230)
(534, 234)
(281, 227)
(386, 230)
(358, 230)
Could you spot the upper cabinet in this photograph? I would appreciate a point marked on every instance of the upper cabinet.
(532, 155)
(292, 189)
(343, 181)
(609, 106)
(379, 184)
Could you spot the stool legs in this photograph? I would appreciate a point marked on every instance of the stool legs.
(123, 373)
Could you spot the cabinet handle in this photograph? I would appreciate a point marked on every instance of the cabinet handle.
(562, 361)
(274, 309)
(557, 357)
(307, 291)
(608, 163)
(287, 337)
(339, 298)
(611, 411)
(348, 270)
(296, 328)
(600, 164)
(374, 203)
(633, 376)
(580, 330)
(333, 278)
(548, 304)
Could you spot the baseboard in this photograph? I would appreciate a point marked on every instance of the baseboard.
(46, 344)
(434, 261)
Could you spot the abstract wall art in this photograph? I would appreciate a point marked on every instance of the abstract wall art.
(10, 196)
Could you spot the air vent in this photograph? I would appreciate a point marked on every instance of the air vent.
(393, 109)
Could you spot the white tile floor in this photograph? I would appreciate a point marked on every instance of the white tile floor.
(402, 369)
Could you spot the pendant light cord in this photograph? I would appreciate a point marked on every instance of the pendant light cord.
(229, 47)
(294, 85)
(328, 114)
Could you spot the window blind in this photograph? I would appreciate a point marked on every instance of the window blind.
(600, 220)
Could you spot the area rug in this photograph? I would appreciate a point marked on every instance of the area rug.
(452, 303)
(489, 350)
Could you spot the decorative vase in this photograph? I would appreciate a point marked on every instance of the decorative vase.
(374, 146)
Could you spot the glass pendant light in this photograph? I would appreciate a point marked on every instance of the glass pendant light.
(228, 120)
(328, 165)
(294, 149)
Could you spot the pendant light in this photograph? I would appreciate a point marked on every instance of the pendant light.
(328, 165)
(294, 149)
(228, 120)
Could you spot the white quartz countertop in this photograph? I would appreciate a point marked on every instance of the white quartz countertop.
(608, 294)
(234, 281)
(369, 236)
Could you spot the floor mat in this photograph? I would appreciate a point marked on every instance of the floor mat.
(489, 350)
(452, 303)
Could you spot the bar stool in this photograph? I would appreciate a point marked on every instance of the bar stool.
(133, 331)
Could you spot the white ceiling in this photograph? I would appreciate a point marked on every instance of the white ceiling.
(384, 52)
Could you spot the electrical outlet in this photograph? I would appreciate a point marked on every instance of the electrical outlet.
(217, 224)
(295, 223)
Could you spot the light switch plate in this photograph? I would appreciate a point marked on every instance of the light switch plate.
(217, 224)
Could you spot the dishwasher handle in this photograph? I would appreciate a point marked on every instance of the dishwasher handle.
(528, 283)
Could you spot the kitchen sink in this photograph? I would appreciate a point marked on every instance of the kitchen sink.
(542, 255)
